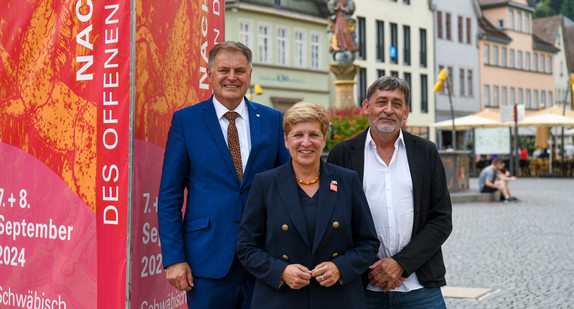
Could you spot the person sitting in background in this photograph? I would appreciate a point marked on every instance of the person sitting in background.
(523, 153)
(524, 170)
(536, 153)
(492, 179)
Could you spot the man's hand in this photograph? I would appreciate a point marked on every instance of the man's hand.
(179, 275)
(386, 274)
(326, 273)
(296, 276)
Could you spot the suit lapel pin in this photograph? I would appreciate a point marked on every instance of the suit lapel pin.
(333, 185)
(257, 115)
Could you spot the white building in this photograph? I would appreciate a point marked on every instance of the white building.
(456, 49)
(395, 37)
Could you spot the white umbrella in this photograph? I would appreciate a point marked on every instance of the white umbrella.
(551, 117)
(546, 120)
(468, 122)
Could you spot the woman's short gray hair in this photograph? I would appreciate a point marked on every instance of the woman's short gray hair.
(302, 112)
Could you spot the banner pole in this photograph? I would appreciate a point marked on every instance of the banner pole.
(131, 151)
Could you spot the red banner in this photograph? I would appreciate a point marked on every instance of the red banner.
(172, 46)
(112, 80)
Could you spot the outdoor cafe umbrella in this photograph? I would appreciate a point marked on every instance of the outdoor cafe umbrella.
(468, 122)
(550, 117)
(546, 120)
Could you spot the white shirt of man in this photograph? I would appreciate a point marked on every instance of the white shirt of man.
(389, 191)
(242, 124)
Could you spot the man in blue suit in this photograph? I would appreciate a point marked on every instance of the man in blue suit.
(214, 149)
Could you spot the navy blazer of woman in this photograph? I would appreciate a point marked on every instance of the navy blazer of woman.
(273, 234)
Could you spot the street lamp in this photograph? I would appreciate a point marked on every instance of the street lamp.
(437, 88)
(254, 88)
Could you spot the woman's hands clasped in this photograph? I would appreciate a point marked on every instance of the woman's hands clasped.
(297, 276)
(326, 273)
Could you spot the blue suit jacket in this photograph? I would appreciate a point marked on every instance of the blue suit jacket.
(273, 234)
(198, 159)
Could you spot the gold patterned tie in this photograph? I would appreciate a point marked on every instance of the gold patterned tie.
(233, 143)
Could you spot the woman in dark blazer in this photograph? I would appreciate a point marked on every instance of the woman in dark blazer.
(307, 234)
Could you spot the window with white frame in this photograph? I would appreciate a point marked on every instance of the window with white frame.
(264, 43)
(543, 63)
(528, 99)
(511, 60)
(535, 105)
(424, 94)
(461, 81)
(543, 98)
(460, 27)
(494, 55)
(519, 20)
(550, 99)
(316, 48)
(520, 96)
(535, 63)
(504, 96)
(495, 100)
(486, 95)
(468, 31)
(550, 64)
(503, 57)
(469, 79)
(439, 24)
(450, 76)
(519, 63)
(486, 54)
(448, 27)
(282, 45)
(246, 32)
(511, 19)
(526, 22)
(300, 41)
(527, 62)
(512, 96)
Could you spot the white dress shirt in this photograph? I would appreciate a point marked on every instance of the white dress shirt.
(242, 124)
(389, 191)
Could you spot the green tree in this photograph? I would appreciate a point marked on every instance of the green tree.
(545, 9)
(567, 8)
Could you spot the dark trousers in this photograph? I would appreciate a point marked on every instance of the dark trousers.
(234, 291)
(425, 298)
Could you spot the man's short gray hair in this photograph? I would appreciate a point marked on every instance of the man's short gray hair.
(230, 46)
(389, 83)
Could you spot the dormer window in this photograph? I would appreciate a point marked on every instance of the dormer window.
(500, 24)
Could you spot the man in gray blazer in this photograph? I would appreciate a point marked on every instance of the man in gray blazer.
(405, 184)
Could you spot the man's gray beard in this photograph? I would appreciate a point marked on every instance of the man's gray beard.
(385, 128)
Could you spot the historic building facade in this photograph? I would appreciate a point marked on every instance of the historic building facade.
(289, 41)
(396, 38)
(516, 66)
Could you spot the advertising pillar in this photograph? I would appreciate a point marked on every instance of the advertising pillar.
(72, 131)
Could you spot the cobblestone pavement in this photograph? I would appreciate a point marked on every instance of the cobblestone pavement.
(525, 249)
